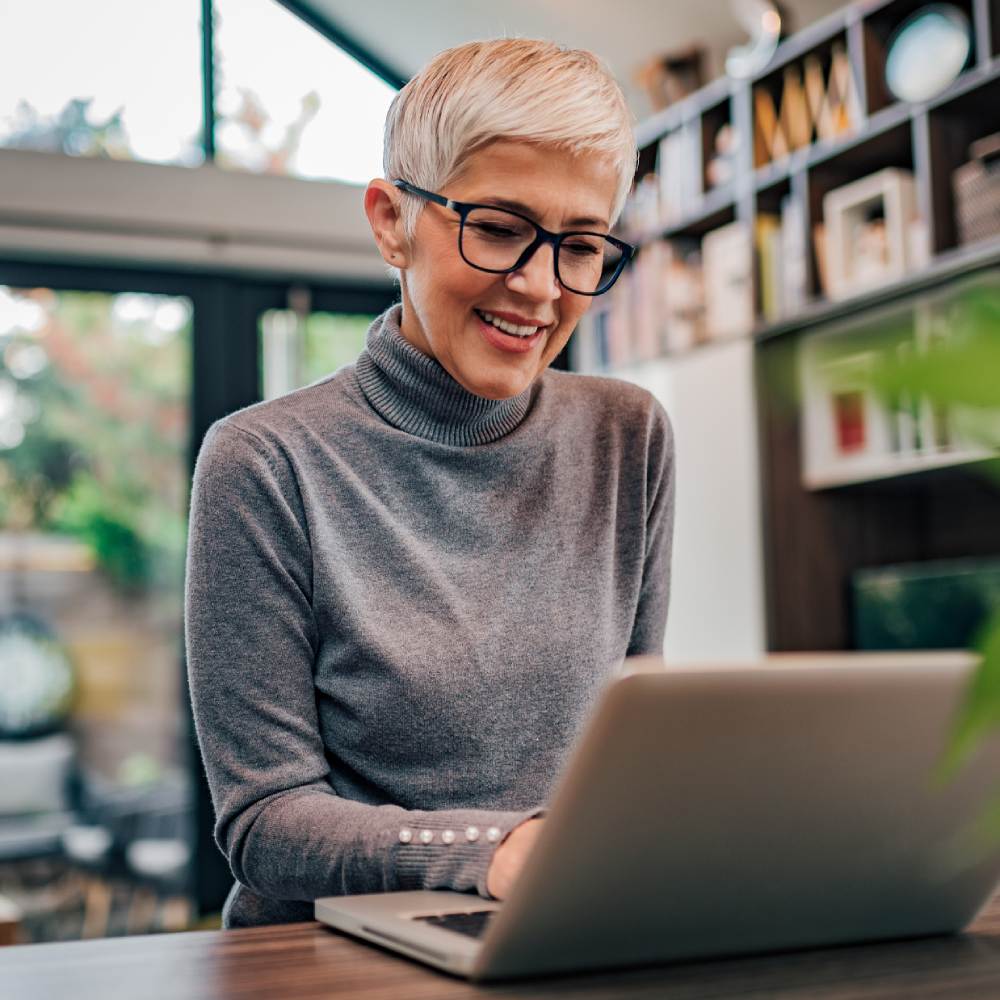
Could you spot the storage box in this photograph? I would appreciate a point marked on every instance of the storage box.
(976, 186)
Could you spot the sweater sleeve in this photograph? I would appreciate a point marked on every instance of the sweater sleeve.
(251, 640)
(654, 597)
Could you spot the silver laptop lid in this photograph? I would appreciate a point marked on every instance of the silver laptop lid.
(723, 810)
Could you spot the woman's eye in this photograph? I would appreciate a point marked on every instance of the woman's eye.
(490, 230)
(582, 249)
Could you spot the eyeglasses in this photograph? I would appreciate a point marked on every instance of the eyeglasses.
(499, 241)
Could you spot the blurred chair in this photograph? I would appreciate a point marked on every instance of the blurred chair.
(158, 857)
(35, 810)
(135, 841)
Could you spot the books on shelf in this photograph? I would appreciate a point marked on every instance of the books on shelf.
(656, 308)
(808, 103)
(795, 257)
(770, 277)
(766, 132)
(780, 244)
(794, 119)
(842, 103)
(678, 166)
(727, 262)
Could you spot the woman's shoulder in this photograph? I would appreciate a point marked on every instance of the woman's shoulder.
(285, 425)
(295, 413)
(602, 399)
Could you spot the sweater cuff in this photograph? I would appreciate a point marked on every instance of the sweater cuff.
(450, 849)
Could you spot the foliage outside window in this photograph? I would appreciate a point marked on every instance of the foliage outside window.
(94, 425)
(75, 80)
(288, 101)
(298, 350)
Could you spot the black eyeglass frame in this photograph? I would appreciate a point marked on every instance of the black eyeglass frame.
(542, 235)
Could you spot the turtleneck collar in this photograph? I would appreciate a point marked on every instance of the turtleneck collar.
(416, 394)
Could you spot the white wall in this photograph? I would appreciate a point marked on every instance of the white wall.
(717, 589)
(87, 209)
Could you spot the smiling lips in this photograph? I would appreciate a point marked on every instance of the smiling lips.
(498, 337)
(511, 323)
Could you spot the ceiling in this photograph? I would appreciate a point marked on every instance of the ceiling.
(405, 35)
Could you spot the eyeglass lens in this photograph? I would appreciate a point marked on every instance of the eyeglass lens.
(495, 239)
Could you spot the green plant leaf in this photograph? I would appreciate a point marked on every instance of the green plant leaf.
(980, 711)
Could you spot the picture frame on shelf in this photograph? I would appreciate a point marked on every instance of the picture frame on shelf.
(844, 428)
(872, 232)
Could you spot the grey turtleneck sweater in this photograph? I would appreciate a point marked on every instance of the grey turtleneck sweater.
(402, 600)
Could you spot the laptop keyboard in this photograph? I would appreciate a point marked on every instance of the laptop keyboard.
(472, 924)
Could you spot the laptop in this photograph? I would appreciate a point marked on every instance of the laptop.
(729, 810)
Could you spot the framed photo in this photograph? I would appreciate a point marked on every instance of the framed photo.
(869, 232)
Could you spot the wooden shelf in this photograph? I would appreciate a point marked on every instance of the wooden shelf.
(945, 267)
(872, 470)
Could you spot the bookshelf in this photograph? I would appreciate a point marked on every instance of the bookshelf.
(787, 190)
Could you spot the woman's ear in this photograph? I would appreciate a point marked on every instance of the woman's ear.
(382, 206)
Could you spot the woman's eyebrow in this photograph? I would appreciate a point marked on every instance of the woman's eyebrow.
(517, 206)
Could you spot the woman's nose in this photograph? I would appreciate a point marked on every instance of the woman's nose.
(536, 278)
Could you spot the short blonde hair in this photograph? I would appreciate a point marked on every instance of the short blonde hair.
(507, 88)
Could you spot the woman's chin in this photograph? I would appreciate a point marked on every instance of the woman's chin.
(495, 385)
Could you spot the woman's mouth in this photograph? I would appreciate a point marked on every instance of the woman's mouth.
(507, 336)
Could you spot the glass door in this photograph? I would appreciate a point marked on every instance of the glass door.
(96, 804)
(109, 379)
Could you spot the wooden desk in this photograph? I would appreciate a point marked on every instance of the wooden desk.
(306, 961)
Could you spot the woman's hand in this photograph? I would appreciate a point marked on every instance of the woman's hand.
(509, 858)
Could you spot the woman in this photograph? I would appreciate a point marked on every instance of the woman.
(408, 582)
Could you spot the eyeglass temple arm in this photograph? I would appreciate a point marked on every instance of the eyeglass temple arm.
(429, 195)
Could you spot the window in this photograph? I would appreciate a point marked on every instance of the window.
(94, 437)
(296, 350)
(289, 101)
(103, 79)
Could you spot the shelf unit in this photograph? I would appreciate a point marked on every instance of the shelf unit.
(822, 525)
(930, 140)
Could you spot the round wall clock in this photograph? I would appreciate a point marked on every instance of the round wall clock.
(927, 52)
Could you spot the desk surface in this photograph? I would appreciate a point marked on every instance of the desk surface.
(308, 960)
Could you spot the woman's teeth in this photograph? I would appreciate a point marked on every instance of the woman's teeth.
(511, 328)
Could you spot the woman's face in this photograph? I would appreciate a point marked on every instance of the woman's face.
(442, 294)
